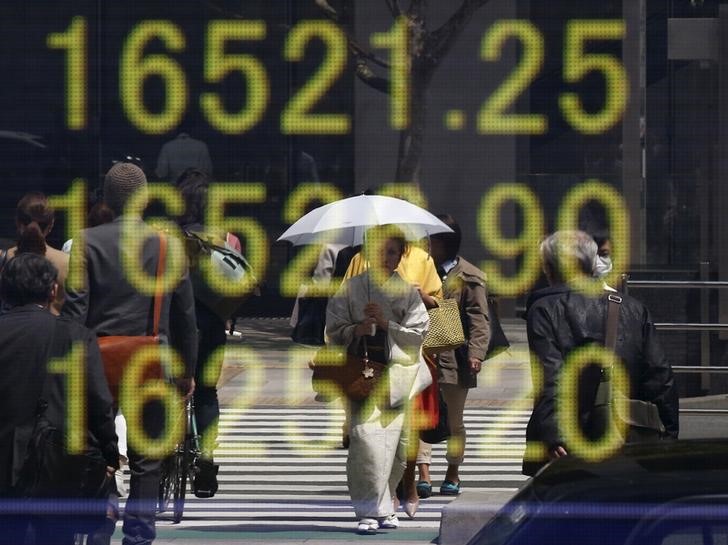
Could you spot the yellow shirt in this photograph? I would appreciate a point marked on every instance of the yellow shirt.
(415, 267)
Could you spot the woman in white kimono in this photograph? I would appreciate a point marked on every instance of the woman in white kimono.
(378, 305)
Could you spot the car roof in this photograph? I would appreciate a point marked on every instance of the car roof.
(641, 473)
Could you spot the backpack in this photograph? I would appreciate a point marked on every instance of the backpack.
(228, 263)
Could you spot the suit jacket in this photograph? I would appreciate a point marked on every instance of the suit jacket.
(110, 305)
(29, 337)
(466, 284)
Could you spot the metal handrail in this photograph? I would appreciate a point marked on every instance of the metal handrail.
(670, 326)
(700, 284)
(704, 369)
(695, 369)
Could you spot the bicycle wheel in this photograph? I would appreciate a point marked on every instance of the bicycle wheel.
(182, 463)
(166, 481)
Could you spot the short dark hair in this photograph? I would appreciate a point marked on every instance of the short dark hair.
(450, 241)
(27, 278)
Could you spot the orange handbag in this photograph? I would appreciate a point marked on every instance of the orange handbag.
(118, 350)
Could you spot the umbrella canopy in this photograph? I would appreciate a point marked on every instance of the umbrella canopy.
(346, 220)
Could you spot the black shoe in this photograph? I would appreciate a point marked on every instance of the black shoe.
(345, 441)
(204, 484)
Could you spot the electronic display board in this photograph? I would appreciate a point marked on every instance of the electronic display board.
(544, 109)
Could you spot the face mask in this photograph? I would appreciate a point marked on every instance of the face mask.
(602, 266)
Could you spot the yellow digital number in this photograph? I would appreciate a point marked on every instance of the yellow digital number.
(135, 391)
(219, 63)
(408, 191)
(256, 240)
(512, 414)
(73, 367)
(298, 272)
(619, 228)
(75, 42)
(304, 194)
(297, 117)
(526, 244)
(397, 41)
(246, 361)
(73, 203)
(135, 234)
(567, 405)
(210, 376)
(578, 64)
(493, 118)
(298, 387)
(135, 69)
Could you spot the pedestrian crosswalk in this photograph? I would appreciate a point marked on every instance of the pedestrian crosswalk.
(285, 468)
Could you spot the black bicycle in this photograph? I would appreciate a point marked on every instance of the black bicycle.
(179, 467)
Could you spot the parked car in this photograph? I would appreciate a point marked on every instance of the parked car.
(672, 493)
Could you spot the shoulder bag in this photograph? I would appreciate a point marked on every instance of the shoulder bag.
(118, 350)
(446, 328)
(640, 419)
(336, 372)
(498, 341)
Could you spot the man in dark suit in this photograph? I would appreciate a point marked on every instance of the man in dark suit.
(116, 256)
(29, 337)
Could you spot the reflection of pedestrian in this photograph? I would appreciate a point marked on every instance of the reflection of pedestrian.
(193, 185)
(306, 170)
(29, 336)
(457, 369)
(111, 305)
(380, 306)
(560, 320)
(182, 153)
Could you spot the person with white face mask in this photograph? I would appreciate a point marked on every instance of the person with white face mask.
(603, 260)
(602, 266)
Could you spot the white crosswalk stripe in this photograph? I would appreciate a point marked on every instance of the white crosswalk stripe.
(285, 467)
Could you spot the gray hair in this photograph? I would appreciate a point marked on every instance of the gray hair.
(561, 248)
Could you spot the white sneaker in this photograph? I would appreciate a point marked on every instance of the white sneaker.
(367, 526)
(390, 523)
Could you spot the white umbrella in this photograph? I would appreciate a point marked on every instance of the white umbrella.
(346, 220)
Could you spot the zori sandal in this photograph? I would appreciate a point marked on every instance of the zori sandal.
(449, 488)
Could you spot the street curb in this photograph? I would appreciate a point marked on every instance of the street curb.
(469, 512)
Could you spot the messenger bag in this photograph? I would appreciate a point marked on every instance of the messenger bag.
(118, 350)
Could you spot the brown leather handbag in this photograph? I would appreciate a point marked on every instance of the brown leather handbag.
(336, 372)
(118, 350)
